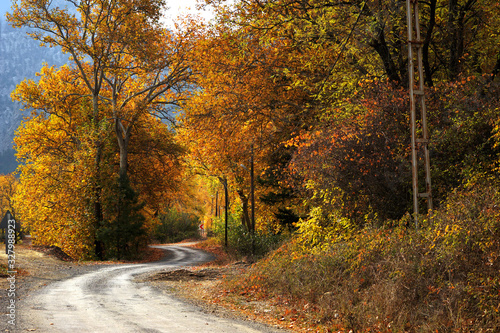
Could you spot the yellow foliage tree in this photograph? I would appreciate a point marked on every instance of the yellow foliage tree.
(124, 61)
(55, 198)
(8, 184)
(126, 66)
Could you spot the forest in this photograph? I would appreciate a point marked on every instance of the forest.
(283, 126)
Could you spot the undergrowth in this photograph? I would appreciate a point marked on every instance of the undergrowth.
(176, 226)
(443, 277)
(242, 243)
(3, 270)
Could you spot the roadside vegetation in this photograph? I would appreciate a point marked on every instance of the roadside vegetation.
(442, 277)
(177, 226)
(244, 243)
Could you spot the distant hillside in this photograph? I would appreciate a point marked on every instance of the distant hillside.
(20, 58)
(8, 163)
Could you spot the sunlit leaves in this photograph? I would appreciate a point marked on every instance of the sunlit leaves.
(243, 103)
(57, 147)
(55, 189)
(8, 185)
(97, 117)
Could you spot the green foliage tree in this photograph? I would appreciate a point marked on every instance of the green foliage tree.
(175, 226)
(123, 235)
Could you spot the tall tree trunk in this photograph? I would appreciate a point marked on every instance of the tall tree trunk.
(123, 138)
(97, 189)
(427, 41)
(457, 20)
(381, 47)
(98, 215)
(454, 58)
(245, 218)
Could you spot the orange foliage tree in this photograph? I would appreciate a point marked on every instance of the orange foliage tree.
(349, 61)
(242, 109)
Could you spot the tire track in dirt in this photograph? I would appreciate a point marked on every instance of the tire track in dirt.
(108, 300)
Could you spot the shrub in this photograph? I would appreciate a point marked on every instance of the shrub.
(242, 242)
(442, 277)
(176, 226)
(467, 239)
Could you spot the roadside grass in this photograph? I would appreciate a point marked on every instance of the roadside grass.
(3, 270)
(443, 277)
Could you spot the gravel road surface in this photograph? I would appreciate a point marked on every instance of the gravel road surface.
(108, 300)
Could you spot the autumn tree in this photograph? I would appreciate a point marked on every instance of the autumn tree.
(360, 167)
(125, 59)
(350, 59)
(369, 38)
(55, 195)
(57, 176)
(8, 184)
(127, 68)
(242, 108)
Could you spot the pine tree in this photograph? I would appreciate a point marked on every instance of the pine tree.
(123, 232)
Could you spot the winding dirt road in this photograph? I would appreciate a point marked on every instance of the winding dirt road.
(108, 300)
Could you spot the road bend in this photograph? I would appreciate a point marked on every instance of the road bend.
(108, 300)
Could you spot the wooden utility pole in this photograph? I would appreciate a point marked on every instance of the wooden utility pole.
(420, 135)
(252, 196)
(217, 203)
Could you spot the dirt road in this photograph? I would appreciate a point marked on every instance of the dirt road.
(108, 300)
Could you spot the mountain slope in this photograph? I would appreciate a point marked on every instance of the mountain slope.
(20, 58)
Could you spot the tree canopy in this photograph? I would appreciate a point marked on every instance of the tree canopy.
(310, 94)
(323, 85)
(98, 118)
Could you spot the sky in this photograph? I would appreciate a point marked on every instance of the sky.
(181, 7)
(4, 6)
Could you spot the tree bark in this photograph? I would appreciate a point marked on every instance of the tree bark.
(427, 41)
(97, 189)
(98, 215)
(454, 48)
(245, 218)
(380, 46)
(123, 138)
(457, 20)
